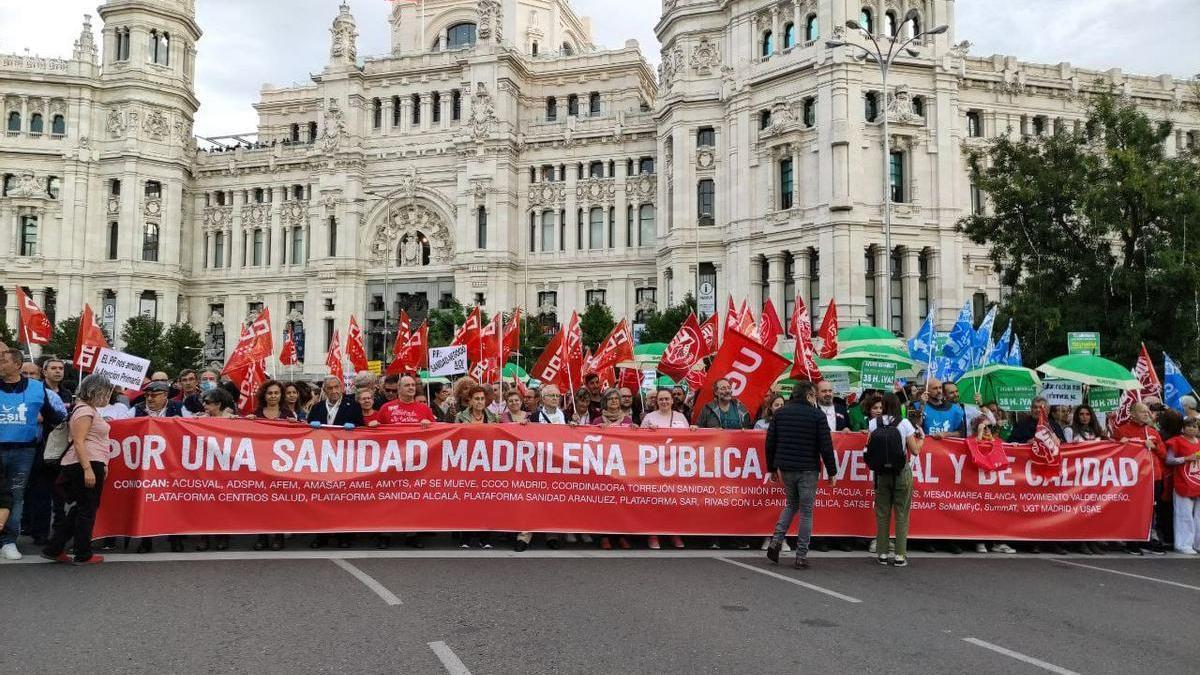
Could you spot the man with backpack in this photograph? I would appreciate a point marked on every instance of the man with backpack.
(798, 445)
(892, 440)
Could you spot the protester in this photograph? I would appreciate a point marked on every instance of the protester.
(893, 491)
(1062, 416)
(189, 391)
(680, 398)
(1026, 427)
(406, 409)
(155, 403)
(581, 408)
(366, 400)
(548, 412)
(335, 409)
(1183, 456)
(1188, 403)
(441, 403)
(1139, 428)
(496, 398)
(612, 414)
(54, 371)
(477, 413)
(390, 388)
(664, 415)
(292, 398)
(514, 408)
(798, 445)
(943, 419)
(859, 416)
(1085, 426)
(83, 469)
(631, 405)
(724, 411)
(218, 404)
(42, 503)
(833, 408)
(591, 384)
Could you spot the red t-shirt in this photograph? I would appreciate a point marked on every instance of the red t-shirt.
(1187, 475)
(373, 416)
(399, 412)
(1133, 431)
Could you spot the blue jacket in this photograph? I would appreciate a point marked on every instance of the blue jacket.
(20, 405)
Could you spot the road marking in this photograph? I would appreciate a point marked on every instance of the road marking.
(368, 581)
(790, 580)
(1020, 657)
(449, 659)
(1128, 574)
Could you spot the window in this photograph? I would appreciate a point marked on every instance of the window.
(257, 247)
(646, 226)
(547, 231)
(897, 177)
(114, 233)
(810, 112)
(548, 299)
(1039, 125)
(333, 224)
(643, 297)
(436, 106)
(159, 48)
(221, 198)
(53, 187)
(376, 113)
(814, 284)
(219, 250)
(789, 35)
(150, 242)
(914, 29)
(596, 297)
(706, 137)
(889, 24)
(455, 105)
(869, 280)
(10, 181)
(416, 109)
(312, 132)
(122, 45)
(294, 136)
(481, 228)
(551, 109)
(58, 125)
(596, 228)
(871, 106)
(706, 201)
(36, 124)
(567, 49)
(812, 28)
(866, 20)
(766, 46)
(594, 103)
(923, 284)
(14, 121)
(918, 106)
(460, 35)
(297, 245)
(114, 188)
(29, 235)
(153, 189)
(974, 124)
(976, 200)
(573, 105)
(533, 50)
(979, 302)
(612, 225)
(562, 230)
(259, 196)
(896, 306)
(785, 184)
(297, 192)
(764, 119)
(532, 232)
(646, 166)
(596, 170)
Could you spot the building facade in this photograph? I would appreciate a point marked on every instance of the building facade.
(497, 156)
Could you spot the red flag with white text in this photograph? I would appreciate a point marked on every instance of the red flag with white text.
(614, 349)
(356, 351)
(708, 331)
(247, 402)
(254, 344)
(35, 325)
(1143, 370)
(804, 363)
(333, 358)
(89, 340)
(769, 327)
(683, 351)
(828, 332)
(287, 353)
(750, 368)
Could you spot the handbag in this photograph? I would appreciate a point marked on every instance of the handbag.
(58, 442)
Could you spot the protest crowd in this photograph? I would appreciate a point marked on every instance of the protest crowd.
(53, 486)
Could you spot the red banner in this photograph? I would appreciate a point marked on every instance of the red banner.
(174, 476)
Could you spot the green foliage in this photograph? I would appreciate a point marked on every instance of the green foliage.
(535, 335)
(443, 323)
(7, 334)
(595, 323)
(662, 326)
(1091, 230)
(182, 348)
(62, 341)
(170, 349)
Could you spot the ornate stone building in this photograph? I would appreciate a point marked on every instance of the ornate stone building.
(497, 156)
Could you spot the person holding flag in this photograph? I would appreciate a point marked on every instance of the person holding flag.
(1140, 429)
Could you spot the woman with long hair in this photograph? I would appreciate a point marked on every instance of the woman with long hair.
(297, 398)
(664, 416)
(83, 468)
(270, 403)
(770, 406)
(1085, 426)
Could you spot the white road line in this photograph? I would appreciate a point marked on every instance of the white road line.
(1127, 574)
(790, 580)
(449, 659)
(1020, 657)
(368, 581)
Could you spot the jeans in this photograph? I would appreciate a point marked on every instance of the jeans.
(893, 493)
(83, 502)
(18, 462)
(801, 490)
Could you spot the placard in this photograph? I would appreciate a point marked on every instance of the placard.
(448, 360)
(839, 381)
(1083, 343)
(125, 370)
(1015, 398)
(1104, 399)
(878, 375)
(1062, 392)
(375, 367)
(649, 380)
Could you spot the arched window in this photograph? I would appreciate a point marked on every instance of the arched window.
(163, 58)
(150, 242)
(295, 133)
(766, 44)
(594, 103)
(58, 125)
(114, 232)
(121, 47)
(551, 109)
(646, 226)
(596, 228)
(573, 105)
(974, 124)
(36, 123)
(547, 231)
(914, 27)
(867, 20)
(460, 35)
(789, 35)
(596, 170)
(889, 24)
(812, 28)
(416, 109)
(376, 113)
(481, 228)
(14, 121)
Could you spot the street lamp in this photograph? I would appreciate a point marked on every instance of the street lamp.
(386, 255)
(885, 59)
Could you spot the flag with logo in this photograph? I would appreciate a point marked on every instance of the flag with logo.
(615, 348)
(550, 367)
(828, 332)
(769, 327)
(89, 340)
(708, 333)
(402, 336)
(254, 344)
(287, 353)
(1014, 353)
(745, 324)
(413, 353)
(1175, 385)
(1143, 370)
(254, 377)
(684, 350)
(750, 368)
(804, 362)
(1045, 447)
(35, 325)
(468, 334)
(999, 351)
(959, 351)
(982, 343)
(333, 358)
(355, 349)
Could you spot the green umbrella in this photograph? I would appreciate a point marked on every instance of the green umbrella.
(860, 336)
(1091, 370)
(424, 375)
(905, 366)
(989, 379)
(511, 369)
(826, 365)
(648, 353)
(664, 381)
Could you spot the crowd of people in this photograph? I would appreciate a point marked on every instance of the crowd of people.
(798, 447)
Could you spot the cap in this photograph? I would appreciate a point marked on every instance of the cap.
(154, 387)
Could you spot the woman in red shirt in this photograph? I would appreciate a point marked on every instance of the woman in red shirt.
(1183, 454)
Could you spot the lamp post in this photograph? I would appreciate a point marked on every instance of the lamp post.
(885, 58)
(386, 256)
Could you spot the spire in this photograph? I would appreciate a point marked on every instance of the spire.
(343, 47)
(85, 46)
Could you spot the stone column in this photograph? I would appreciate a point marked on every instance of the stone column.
(425, 111)
(445, 104)
(624, 232)
(237, 234)
(775, 277)
(385, 115)
(910, 278)
(883, 303)
(405, 114)
(802, 274)
(276, 246)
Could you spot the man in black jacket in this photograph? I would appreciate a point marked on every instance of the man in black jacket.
(335, 409)
(798, 444)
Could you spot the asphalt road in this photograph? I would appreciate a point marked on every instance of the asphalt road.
(588, 611)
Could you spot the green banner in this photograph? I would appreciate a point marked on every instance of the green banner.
(878, 375)
(1014, 399)
(1104, 399)
(1083, 343)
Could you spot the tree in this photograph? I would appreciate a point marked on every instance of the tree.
(662, 326)
(182, 348)
(7, 336)
(1091, 230)
(444, 322)
(535, 335)
(62, 341)
(596, 323)
(142, 336)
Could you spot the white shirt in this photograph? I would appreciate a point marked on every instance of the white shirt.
(116, 411)
(906, 428)
(556, 417)
(830, 416)
(331, 410)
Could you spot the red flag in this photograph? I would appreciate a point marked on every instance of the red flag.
(550, 367)
(695, 378)
(521, 388)
(750, 368)
(683, 351)
(629, 378)
(512, 335)
(828, 332)
(489, 338)
(614, 349)
(1045, 446)
(402, 335)
(35, 325)
(486, 370)
(254, 344)
(1151, 386)
(355, 350)
(573, 352)
(746, 321)
(247, 402)
(708, 331)
(804, 364)
(333, 359)
(468, 335)
(769, 327)
(732, 318)
(89, 340)
(413, 353)
(287, 354)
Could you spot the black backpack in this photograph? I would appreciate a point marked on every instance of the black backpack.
(885, 449)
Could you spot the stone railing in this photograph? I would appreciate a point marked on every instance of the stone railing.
(37, 64)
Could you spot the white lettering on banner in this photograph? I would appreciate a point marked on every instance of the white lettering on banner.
(448, 360)
(13, 414)
(125, 370)
(737, 380)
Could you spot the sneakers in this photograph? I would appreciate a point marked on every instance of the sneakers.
(766, 543)
(676, 541)
(60, 558)
(521, 546)
(800, 564)
(901, 561)
(653, 543)
(1003, 548)
(883, 560)
(94, 560)
(871, 548)
(1186, 551)
(571, 539)
(773, 552)
(981, 547)
(10, 552)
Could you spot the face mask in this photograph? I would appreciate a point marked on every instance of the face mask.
(207, 386)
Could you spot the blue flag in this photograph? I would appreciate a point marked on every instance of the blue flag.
(1014, 352)
(1175, 385)
(999, 352)
(920, 346)
(983, 338)
(960, 345)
